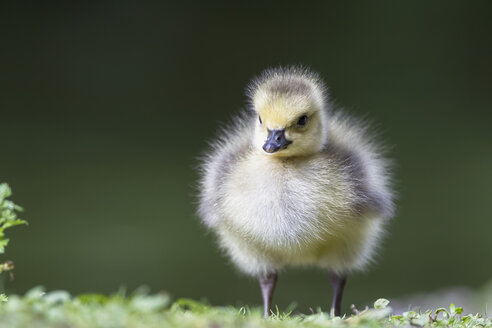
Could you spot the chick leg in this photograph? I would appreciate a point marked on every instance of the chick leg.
(337, 284)
(267, 284)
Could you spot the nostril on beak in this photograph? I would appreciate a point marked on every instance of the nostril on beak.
(275, 141)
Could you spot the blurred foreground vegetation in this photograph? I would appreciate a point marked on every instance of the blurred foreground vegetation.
(8, 219)
(60, 310)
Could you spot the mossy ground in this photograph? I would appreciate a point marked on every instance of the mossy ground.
(59, 309)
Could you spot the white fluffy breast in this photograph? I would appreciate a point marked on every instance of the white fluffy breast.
(284, 204)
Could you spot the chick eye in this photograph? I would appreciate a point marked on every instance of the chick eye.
(259, 119)
(302, 120)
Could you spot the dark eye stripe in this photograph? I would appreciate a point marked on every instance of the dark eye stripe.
(259, 118)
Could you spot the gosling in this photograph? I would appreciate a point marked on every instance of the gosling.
(293, 182)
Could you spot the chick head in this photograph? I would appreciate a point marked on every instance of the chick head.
(290, 104)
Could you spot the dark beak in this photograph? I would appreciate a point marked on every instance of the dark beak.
(275, 141)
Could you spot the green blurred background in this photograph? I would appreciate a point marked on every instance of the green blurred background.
(105, 107)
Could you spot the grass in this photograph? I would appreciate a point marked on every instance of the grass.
(58, 309)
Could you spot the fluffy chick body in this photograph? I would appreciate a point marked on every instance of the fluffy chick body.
(322, 201)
